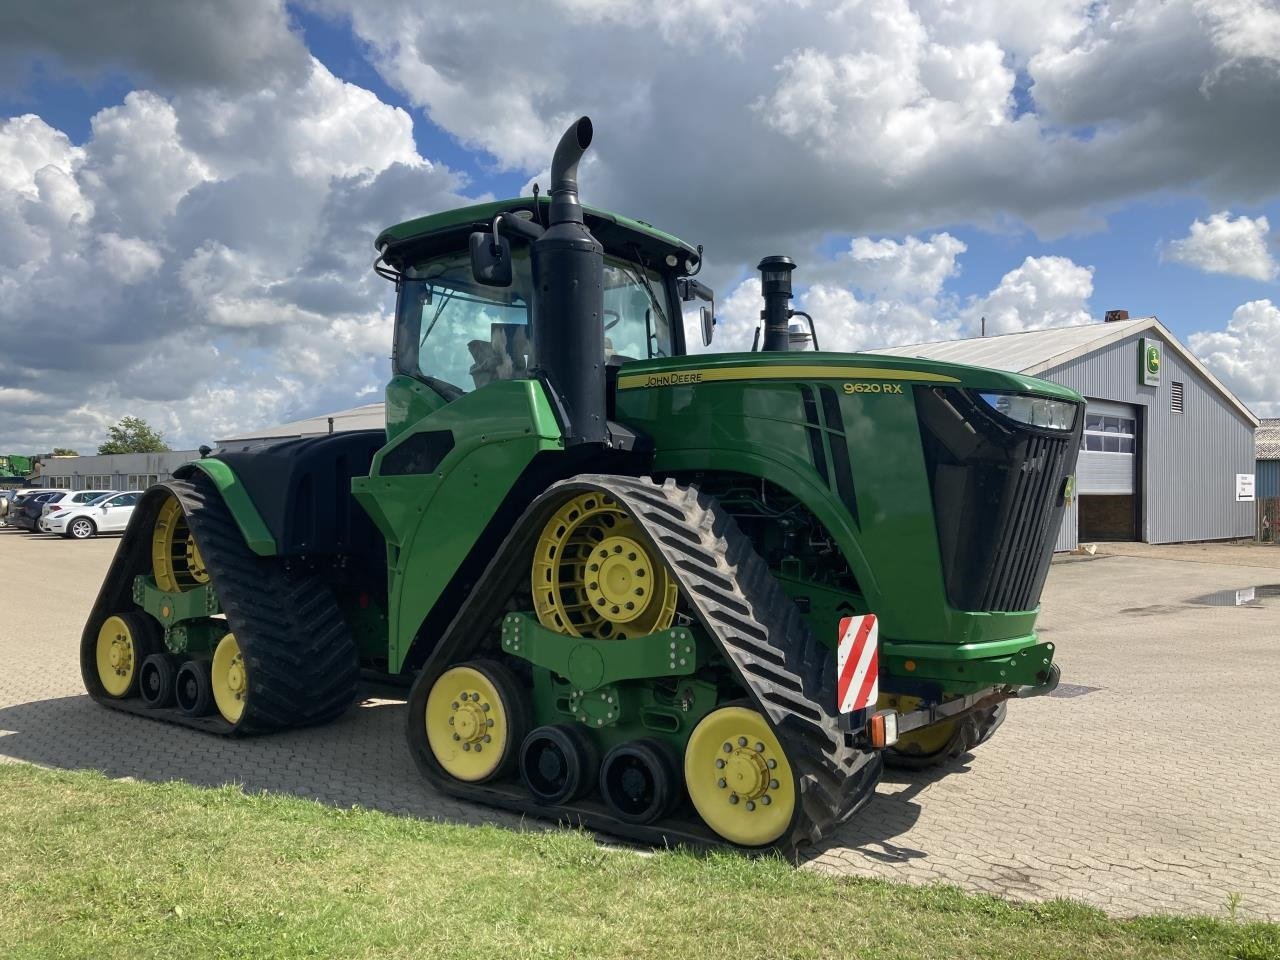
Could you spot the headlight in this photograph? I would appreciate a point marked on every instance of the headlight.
(1035, 411)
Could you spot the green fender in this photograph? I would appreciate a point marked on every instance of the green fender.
(237, 499)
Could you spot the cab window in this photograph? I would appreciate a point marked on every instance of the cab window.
(457, 335)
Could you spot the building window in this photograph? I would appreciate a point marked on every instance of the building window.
(1175, 402)
(141, 481)
(1107, 434)
(100, 481)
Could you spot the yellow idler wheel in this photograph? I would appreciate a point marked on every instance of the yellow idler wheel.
(230, 679)
(124, 641)
(593, 576)
(176, 562)
(475, 720)
(739, 779)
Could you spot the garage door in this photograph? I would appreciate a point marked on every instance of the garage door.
(1108, 449)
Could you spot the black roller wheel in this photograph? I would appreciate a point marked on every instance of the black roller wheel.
(157, 680)
(640, 780)
(558, 763)
(193, 688)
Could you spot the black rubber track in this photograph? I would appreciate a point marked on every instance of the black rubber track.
(972, 729)
(301, 659)
(788, 674)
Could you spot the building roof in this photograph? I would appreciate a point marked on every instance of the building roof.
(1266, 440)
(1035, 352)
(366, 417)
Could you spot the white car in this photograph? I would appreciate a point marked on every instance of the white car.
(69, 500)
(109, 514)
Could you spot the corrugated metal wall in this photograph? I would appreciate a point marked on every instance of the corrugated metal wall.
(1268, 478)
(1189, 460)
(1068, 532)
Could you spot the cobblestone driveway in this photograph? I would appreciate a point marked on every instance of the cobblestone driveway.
(1155, 787)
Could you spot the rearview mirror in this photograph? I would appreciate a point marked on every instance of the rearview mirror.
(490, 259)
(708, 316)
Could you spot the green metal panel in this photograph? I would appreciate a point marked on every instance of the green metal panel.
(743, 413)
(589, 664)
(238, 501)
(861, 369)
(407, 402)
(187, 616)
(485, 212)
(431, 521)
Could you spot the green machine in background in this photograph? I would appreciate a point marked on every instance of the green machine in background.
(628, 586)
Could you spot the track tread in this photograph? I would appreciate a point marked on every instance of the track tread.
(302, 662)
(790, 676)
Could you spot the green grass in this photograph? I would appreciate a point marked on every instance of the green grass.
(91, 867)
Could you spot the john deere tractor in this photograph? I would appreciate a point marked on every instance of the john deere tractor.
(685, 599)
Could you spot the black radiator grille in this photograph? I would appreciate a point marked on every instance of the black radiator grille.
(998, 493)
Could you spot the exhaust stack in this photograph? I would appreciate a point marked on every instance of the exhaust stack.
(568, 306)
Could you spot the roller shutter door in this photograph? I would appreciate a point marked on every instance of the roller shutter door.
(1108, 449)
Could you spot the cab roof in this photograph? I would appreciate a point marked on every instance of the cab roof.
(439, 232)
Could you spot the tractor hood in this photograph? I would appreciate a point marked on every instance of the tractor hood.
(867, 372)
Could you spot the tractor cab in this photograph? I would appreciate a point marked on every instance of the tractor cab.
(456, 333)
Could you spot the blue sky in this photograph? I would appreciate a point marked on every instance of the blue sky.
(926, 165)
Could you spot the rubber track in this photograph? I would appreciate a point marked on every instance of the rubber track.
(788, 674)
(302, 661)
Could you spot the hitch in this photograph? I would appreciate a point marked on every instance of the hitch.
(884, 727)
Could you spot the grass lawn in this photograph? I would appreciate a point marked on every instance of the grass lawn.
(91, 867)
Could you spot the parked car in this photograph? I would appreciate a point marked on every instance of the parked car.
(26, 512)
(14, 499)
(67, 501)
(109, 514)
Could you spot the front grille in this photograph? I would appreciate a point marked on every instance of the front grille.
(998, 496)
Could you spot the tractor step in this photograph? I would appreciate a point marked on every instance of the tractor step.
(789, 675)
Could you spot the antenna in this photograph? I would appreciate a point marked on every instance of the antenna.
(984, 326)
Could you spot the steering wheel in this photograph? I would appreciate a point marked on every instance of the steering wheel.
(617, 319)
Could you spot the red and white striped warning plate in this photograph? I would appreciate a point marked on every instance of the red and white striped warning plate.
(858, 663)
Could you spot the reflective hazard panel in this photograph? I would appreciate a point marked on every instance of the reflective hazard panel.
(858, 663)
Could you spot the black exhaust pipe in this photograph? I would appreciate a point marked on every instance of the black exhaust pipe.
(568, 307)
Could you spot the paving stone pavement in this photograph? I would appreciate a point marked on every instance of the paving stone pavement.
(1156, 791)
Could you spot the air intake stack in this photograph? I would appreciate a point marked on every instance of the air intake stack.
(775, 285)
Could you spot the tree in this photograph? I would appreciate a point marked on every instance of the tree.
(64, 452)
(133, 435)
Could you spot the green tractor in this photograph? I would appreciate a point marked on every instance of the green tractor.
(683, 599)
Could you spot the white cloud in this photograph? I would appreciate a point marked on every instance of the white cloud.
(238, 45)
(1244, 355)
(223, 242)
(887, 292)
(1042, 292)
(911, 268)
(866, 117)
(1223, 245)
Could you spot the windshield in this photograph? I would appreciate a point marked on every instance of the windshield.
(457, 335)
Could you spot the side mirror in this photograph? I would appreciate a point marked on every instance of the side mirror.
(690, 289)
(490, 259)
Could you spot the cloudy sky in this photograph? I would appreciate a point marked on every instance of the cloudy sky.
(188, 192)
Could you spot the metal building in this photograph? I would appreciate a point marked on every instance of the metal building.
(1168, 451)
(1267, 451)
(111, 471)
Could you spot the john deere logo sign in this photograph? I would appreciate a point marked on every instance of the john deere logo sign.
(1150, 365)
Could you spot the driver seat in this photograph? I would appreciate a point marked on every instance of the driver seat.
(505, 356)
